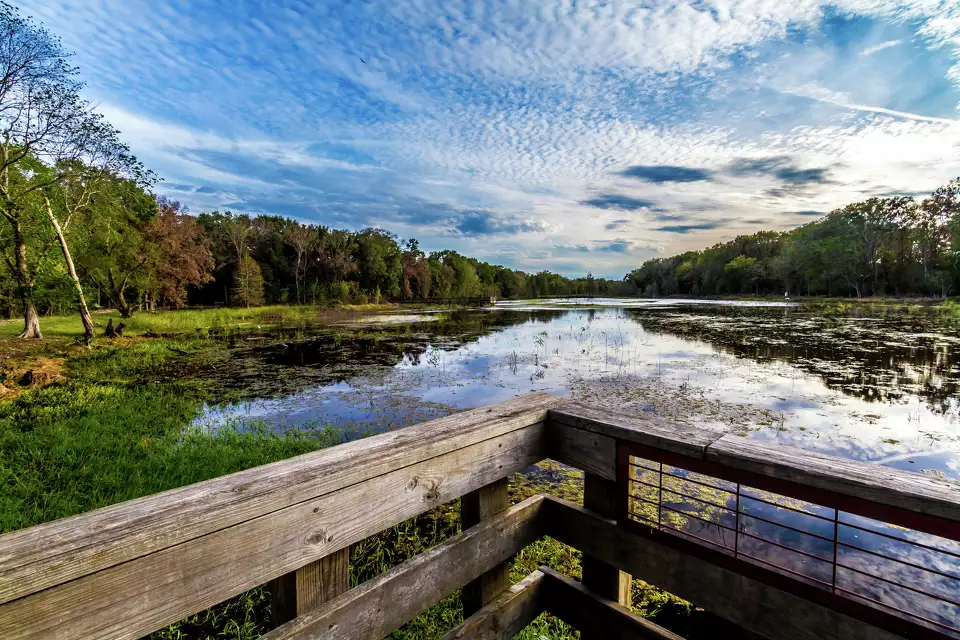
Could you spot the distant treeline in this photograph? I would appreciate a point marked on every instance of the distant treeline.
(881, 246)
(312, 264)
(134, 251)
(82, 228)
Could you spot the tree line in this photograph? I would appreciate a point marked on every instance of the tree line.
(880, 246)
(82, 227)
(278, 260)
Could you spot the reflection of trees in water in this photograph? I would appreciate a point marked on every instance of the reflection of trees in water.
(876, 359)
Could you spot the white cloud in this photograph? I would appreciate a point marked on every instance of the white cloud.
(869, 51)
(519, 107)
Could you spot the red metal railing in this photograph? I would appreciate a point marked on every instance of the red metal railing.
(884, 566)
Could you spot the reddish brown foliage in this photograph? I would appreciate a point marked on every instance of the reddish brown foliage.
(183, 255)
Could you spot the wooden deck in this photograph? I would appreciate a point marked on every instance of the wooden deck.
(130, 569)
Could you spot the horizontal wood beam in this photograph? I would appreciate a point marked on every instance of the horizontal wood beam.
(594, 616)
(650, 430)
(56, 552)
(385, 603)
(132, 599)
(748, 603)
(905, 491)
(904, 498)
(506, 616)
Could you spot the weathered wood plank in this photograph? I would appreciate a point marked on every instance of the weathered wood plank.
(600, 496)
(593, 615)
(66, 549)
(385, 603)
(137, 597)
(475, 507)
(308, 587)
(915, 492)
(748, 603)
(652, 431)
(505, 616)
(586, 450)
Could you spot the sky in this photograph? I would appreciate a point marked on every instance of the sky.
(562, 135)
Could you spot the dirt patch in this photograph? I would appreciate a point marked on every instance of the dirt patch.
(30, 374)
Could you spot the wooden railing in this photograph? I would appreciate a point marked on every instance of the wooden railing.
(130, 569)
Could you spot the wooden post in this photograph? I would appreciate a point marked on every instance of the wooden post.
(600, 496)
(485, 502)
(308, 587)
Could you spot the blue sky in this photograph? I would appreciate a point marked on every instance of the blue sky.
(566, 135)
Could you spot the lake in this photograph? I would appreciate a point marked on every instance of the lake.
(876, 385)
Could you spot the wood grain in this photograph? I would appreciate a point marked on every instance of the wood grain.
(308, 587)
(475, 507)
(593, 615)
(600, 496)
(586, 450)
(745, 602)
(53, 553)
(649, 430)
(383, 604)
(505, 616)
(145, 594)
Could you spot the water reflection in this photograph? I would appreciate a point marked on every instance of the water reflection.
(884, 359)
(881, 389)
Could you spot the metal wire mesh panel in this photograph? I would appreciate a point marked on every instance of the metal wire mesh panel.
(847, 558)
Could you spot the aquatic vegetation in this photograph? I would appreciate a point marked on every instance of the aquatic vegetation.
(237, 394)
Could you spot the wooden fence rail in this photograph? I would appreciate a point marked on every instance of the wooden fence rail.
(130, 569)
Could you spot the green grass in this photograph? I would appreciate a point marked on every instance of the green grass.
(115, 428)
(103, 436)
(191, 320)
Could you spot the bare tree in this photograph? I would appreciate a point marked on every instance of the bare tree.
(239, 229)
(45, 128)
(301, 238)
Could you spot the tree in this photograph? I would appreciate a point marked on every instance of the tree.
(743, 272)
(416, 277)
(42, 120)
(378, 261)
(248, 283)
(182, 255)
(302, 239)
(239, 229)
(81, 181)
(938, 217)
(117, 256)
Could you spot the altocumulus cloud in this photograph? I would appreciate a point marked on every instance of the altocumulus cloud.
(661, 174)
(486, 223)
(687, 228)
(478, 119)
(615, 201)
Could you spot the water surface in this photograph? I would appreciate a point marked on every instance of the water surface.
(879, 387)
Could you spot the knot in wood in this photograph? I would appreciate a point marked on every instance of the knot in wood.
(319, 537)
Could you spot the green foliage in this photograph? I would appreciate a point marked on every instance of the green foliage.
(248, 289)
(880, 246)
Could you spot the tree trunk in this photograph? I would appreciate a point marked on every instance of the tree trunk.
(31, 321)
(122, 306)
(88, 331)
(296, 277)
(117, 297)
